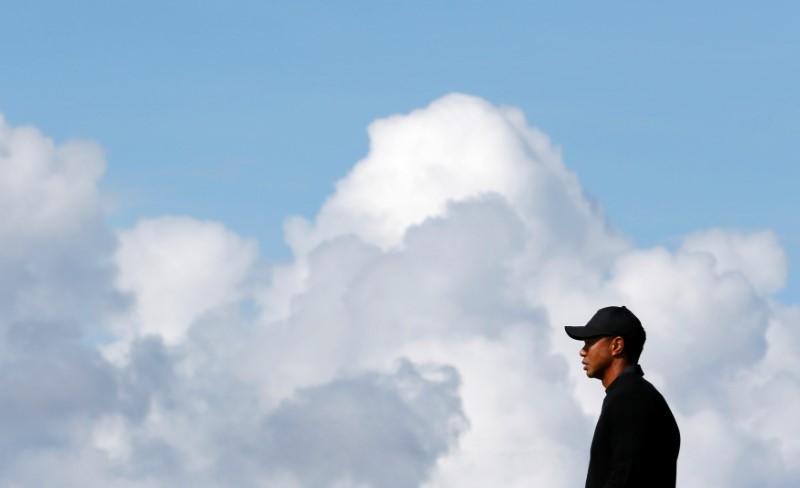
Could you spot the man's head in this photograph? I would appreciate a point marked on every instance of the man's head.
(612, 334)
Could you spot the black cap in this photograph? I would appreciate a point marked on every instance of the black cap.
(609, 321)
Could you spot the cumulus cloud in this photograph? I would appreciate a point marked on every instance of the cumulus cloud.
(56, 288)
(178, 268)
(51, 229)
(458, 148)
(413, 340)
(372, 430)
(45, 189)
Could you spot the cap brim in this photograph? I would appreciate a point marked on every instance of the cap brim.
(581, 332)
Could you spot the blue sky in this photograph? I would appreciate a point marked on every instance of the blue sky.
(676, 117)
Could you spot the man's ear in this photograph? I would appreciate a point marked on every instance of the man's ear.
(617, 346)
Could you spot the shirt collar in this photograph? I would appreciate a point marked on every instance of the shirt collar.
(630, 371)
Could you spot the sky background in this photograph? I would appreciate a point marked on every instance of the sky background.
(334, 244)
(676, 117)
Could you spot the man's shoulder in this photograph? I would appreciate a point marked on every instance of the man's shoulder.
(635, 388)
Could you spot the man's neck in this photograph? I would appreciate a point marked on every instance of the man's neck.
(614, 370)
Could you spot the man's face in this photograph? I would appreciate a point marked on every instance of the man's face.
(597, 356)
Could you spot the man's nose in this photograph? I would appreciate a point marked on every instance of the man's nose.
(583, 352)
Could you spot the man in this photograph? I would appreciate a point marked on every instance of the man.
(636, 440)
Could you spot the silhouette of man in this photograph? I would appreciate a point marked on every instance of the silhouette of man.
(636, 440)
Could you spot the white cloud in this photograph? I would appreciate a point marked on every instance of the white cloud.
(45, 190)
(56, 290)
(178, 268)
(459, 147)
(368, 430)
(702, 324)
(415, 339)
(758, 256)
(51, 229)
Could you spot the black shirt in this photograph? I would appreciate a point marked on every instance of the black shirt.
(636, 440)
